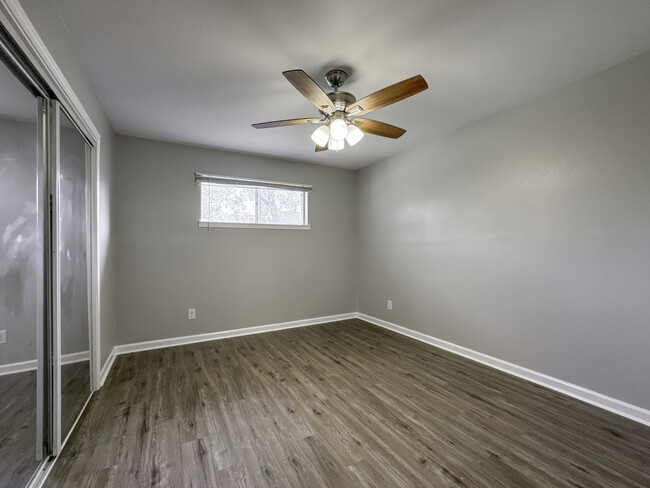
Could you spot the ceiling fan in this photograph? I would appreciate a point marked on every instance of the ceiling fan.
(340, 111)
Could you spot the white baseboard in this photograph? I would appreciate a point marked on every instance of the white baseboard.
(107, 367)
(619, 407)
(211, 336)
(608, 403)
(75, 357)
(21, 367)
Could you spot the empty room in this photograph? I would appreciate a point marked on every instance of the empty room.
(324, 244)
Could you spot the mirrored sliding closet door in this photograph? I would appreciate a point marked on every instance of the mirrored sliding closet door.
(21, 279)
(71, 268)
(45, 271)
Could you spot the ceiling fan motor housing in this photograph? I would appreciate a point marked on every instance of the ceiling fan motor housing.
(341, 99)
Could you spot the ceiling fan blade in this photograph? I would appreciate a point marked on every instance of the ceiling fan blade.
(390, 94)
(284, 123)
(319, 148)
(310, 90)
(379, 128)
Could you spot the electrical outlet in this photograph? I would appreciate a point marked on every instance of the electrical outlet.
(191, 313)
(389, 304)
(3, 336)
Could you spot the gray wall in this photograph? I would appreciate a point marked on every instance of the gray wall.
(47, 21)
(233, 277)
(526, 235)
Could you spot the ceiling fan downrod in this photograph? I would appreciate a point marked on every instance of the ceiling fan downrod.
(341, 99)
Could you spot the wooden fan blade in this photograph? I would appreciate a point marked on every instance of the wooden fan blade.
(390, 94)
(310, 90)
(379, 128)
(284, 123)
(319, 148)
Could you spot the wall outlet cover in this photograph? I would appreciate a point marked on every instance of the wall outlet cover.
(3, 336)
(191, 313)
(389, 304)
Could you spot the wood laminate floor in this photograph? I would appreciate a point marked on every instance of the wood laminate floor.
(345, 404)
(75, 390)
(18, 418)
(17, 428)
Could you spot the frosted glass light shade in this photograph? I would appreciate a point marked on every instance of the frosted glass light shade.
(354, 135)
(321, 135)
(335, 145)
(338, 129)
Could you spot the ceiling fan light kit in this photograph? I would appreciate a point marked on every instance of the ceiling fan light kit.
(337, 131)
(340, 110)
(321, 135)
(334, 145)
(354, 135)
(338, 128)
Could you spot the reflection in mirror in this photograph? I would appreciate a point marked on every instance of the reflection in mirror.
(20, 280)
(74, 269)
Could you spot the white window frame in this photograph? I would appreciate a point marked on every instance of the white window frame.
(202, 178)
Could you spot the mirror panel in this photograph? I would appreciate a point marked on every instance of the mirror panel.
(21, 282)
(74, 262)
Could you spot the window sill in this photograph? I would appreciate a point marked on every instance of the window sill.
(214, 225)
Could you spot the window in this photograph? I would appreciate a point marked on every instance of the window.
(239, 202)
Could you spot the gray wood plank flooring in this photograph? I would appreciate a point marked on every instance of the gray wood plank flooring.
(345, 404)
(18, 418)
(17, 428)
(75, 390)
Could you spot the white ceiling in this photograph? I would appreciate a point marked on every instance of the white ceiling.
(201, 71)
